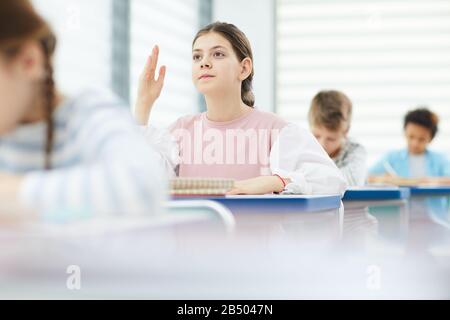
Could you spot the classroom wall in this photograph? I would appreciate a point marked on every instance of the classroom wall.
(83, 57)
(388, 56)
(257, 19)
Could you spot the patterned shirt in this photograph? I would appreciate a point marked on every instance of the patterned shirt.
(352, 161)
(101, 164)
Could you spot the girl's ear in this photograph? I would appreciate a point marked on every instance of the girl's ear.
(246, 69)
(30, 62)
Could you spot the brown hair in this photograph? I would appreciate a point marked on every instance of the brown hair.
(242, 49)
(331, 109)
(20, 23)
(425, 118)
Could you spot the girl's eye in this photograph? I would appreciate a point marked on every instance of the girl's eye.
(196, 57)
(218, 54)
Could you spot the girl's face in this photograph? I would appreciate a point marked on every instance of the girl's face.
(417, 137)
(215, 66)
(18, 86)
(331, 141)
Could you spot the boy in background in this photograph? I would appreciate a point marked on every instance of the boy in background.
(330, 118)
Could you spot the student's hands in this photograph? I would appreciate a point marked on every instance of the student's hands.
(258, 186)
(435, 181)
(10, 210)
(380, 179)
(399, 181)
(391, 180)
(9, 185)
(149, 87)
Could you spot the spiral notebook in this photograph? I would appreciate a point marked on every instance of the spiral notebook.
(200, 186)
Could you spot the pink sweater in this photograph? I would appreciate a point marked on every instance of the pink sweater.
(237, 149)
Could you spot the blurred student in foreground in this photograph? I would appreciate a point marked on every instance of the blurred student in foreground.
(64, 157)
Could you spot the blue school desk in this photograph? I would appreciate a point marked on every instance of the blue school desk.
(386, 208)
(275, 203)
(292, 215)
(377, 194)
(432, 190)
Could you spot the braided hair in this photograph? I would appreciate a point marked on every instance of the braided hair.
(19, 23)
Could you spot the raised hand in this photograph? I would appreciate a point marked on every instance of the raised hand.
(149, 87)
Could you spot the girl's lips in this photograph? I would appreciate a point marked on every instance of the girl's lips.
(206, 76)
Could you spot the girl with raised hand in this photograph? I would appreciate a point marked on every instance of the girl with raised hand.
(233, 139)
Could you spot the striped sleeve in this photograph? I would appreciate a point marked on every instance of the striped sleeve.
(118, 172)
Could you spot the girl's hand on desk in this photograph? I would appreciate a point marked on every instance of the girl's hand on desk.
(258, 186)
(149, 88)
(10, 209)
(9, 185)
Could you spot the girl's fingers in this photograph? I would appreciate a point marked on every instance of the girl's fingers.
(146, 71)
(156, 54)
(162, 74)
(235, 192)
(151, 64)
(154, 62)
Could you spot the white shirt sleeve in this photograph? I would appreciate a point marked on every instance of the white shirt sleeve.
(165, 145)
(297, 155)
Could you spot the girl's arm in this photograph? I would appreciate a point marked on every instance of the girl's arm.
(149, 88)
(148, 92)
(117, 173)
(9, 185)
(162, 141)
(300, 166)
(297, 157)
(11, 210)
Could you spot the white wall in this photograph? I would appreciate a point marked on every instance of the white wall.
(256, 18)
(83, 28)
(388, 56)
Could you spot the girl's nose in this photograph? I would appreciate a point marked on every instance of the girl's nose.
(205, 64)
